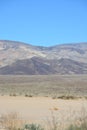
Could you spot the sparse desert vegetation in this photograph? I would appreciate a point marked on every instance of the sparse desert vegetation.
(43, 85)
(58, 114)
(12, 121)
(37, 97)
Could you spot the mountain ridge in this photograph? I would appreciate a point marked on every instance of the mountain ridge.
(23, 58)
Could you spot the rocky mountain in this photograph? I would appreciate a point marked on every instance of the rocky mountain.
(21, 58)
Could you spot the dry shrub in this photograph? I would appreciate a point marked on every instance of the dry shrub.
(52, 122)
(67, 97)
(32, 127)
(76, 120)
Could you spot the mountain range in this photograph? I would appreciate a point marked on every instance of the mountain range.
(17, 58)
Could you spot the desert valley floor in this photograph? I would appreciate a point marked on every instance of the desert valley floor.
(38, 99)
(40, 109)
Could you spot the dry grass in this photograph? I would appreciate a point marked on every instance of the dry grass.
(11, 121)
(74, 122)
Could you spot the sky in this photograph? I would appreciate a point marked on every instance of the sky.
(43, 22)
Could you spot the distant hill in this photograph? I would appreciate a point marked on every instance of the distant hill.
(19, 58)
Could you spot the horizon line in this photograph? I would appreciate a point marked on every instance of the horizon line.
(17, 41)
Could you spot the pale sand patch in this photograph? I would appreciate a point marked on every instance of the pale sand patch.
(37, 109)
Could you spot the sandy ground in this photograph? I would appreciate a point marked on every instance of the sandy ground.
(37, 109)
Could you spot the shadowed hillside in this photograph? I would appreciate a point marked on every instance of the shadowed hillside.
(20, 58)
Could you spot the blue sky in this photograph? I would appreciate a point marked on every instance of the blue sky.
(44, 22)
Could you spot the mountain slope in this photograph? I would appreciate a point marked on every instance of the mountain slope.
(21, 58)
(31, 66)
